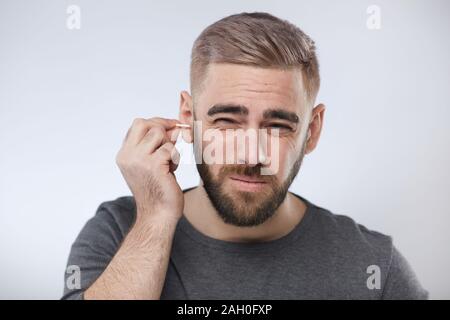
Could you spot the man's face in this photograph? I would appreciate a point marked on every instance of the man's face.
(251, 99)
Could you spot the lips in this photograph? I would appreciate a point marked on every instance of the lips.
(247, 179)
(247, 184)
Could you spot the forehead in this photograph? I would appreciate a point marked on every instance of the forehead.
(253, 87)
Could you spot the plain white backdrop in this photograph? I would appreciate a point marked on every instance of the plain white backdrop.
(67, 98)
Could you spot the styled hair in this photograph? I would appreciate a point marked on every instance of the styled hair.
(255, 39)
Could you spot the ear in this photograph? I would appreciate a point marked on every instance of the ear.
(315, 128)
(186, 114)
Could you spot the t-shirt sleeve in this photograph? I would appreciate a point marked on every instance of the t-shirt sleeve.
(401, 282)
(94, 248)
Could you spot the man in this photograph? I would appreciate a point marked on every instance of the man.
(240, 234)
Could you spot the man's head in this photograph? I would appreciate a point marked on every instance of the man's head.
(253, 71)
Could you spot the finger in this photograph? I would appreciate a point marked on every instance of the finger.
(165, 122)
(175, 156)
(141, 126)
(187, 135)
(167, 153)
(126, 136)
(154, 138)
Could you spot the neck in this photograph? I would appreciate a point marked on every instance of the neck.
(200, 212)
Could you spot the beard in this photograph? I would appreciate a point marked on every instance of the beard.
(246, 209)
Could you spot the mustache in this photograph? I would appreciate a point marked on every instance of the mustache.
(245, 170)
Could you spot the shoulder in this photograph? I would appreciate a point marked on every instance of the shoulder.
(345, 232)
(121, 211)
(110, 224)
(359, 250)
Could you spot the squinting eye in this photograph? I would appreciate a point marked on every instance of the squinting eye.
(280, 127)
(227, 121)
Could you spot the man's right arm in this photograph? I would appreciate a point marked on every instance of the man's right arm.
(139, 267)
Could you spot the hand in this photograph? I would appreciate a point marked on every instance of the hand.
(147, 160)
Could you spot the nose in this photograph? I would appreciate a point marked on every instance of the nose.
(252, 147)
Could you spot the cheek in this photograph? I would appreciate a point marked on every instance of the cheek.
(214, 170)
(283, 166)
(287, 155)
(213, 148)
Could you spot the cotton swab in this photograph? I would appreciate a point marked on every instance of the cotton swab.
(182, 125)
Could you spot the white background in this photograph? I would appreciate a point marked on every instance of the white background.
(67, 98)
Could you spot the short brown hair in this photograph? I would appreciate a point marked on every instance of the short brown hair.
(256, 39)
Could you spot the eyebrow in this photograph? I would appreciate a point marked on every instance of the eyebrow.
(242, 110)
(281, 114)
(228, 108)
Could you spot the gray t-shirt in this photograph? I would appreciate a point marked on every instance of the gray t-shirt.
(326, 256)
